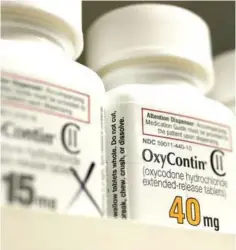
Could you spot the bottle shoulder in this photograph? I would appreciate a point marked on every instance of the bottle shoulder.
(140, 93)
(218, 109)
(58, 70)
(171, 99)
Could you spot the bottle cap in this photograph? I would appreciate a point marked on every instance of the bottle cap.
(168, 34)
(60, 20)
(224, 66)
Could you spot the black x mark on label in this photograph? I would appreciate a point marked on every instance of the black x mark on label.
(83, 188)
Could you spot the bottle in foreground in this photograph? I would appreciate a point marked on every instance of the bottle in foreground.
(169, 148)
(51, 111)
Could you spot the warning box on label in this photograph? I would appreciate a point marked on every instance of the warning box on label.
(186, 129)
(40, 96)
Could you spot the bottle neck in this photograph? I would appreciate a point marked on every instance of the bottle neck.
(30, 41)
(151, 74)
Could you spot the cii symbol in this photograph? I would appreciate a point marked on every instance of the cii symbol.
(217, 162)
(69, 137)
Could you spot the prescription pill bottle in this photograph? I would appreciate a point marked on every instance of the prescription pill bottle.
(225, 81)
(51, 111)
(169, 148)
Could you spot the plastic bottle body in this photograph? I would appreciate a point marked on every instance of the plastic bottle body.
(51, 130)
(170, 159)
(224, 88)
(169, 149)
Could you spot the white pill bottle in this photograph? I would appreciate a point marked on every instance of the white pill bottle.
(225, 81)
(169, 148)
(51, 110)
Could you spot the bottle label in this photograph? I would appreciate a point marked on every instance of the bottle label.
(49, 159)
(170, 169)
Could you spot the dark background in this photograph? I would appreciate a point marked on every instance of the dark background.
(220, 16)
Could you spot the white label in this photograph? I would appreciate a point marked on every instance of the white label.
(186, 129)
(178, 169)
(51, 147)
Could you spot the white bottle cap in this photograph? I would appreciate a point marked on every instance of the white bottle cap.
(164, 33)
(224, 89)
(61, 20)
